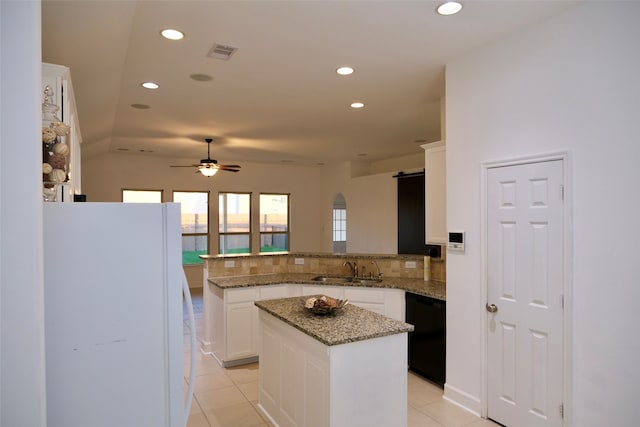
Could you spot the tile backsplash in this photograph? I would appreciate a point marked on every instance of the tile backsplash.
(409, 266)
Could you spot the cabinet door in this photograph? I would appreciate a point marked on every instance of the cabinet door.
(241, 330)
(370, 299)
(436, 194)
(241, 327)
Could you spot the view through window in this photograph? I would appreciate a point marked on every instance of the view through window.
(339, 224)
(234, 223)
(141, 196)
(274, 222)
(194, 210)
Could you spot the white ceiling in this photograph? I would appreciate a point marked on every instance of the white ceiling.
(278, 98)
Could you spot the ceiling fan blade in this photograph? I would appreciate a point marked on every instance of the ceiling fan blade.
(184, 166)
(230, 166)
(229, 170)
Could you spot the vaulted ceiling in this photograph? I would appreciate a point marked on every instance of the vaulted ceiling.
(278, 98)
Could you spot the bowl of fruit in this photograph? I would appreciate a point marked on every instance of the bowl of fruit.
(323, 305)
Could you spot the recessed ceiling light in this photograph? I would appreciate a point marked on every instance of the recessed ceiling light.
(357, 105)
(344, 71)
(150, 85)
(449, 8)
(172, 34)
(201, 77)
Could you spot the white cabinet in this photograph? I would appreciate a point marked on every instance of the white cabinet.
(234, 323)
(241, 323)
(330, 291)
(435, 192)
(304, 383)
(58, 78)
(388, 302)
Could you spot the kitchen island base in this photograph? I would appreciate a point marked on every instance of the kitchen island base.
(306, 383)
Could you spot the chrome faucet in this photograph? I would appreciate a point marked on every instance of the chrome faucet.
(378, 267)
(353, 270)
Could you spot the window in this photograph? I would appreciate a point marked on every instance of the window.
(234, 223)
(274, 222)
(339, 224)
(194, 209)
(141, 196)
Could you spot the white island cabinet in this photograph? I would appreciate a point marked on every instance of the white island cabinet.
(343, 370)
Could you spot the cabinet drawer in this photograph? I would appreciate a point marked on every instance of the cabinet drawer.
(330, 291)
(368, 295)
(273, 292)
(241, 295)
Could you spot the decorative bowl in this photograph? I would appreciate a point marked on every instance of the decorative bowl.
(323, 305)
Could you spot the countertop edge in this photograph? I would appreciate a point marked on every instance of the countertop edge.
(432, 288)
(389, 326)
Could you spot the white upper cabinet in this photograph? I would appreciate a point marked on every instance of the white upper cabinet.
(435, 192)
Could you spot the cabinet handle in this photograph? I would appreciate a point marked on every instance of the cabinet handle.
(492, 308)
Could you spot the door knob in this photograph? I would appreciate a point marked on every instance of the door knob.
(492, 308)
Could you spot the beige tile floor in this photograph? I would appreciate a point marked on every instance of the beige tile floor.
(229, 397)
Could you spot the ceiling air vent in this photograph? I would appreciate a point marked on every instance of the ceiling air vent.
(221, 51)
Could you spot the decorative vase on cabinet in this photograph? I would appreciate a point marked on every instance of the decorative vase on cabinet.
(60, 136)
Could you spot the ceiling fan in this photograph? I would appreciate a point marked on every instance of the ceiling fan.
(209, 166)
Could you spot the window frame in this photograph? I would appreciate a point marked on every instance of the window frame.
(287, 233)
(206, 234)
(249, 233)
(147, 190)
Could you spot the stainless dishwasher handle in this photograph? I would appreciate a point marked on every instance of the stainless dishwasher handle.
(492, 308)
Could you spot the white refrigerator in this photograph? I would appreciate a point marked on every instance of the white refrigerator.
(114, 340)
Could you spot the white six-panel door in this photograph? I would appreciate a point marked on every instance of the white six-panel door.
(524, 294)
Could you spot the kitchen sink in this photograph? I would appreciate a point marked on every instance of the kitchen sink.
(346, 279)
(364, 281)
(331, 278)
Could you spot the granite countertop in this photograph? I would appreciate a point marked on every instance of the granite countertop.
(432, 288)
(349, 324)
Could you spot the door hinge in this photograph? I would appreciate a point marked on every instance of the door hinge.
(561, 411)
(562, 192)
(562, 301)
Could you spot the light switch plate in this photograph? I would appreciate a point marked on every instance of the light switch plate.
(299, 261)
(229, 264)
(409, 264)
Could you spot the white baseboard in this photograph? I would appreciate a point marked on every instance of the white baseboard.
(205, 347)
(463, 399)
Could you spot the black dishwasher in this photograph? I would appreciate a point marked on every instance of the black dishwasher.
(427, 343)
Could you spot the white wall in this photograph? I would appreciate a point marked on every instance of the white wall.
(372, 209)
(371, 199)
(569, 83)
(22, 377)
(103, 178)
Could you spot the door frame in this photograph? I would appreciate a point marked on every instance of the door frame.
(567, 327)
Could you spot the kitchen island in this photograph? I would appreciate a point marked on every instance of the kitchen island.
(347, 369)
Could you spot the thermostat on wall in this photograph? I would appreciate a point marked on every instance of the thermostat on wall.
(456, 241)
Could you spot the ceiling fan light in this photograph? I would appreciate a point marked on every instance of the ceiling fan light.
(208, 170)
